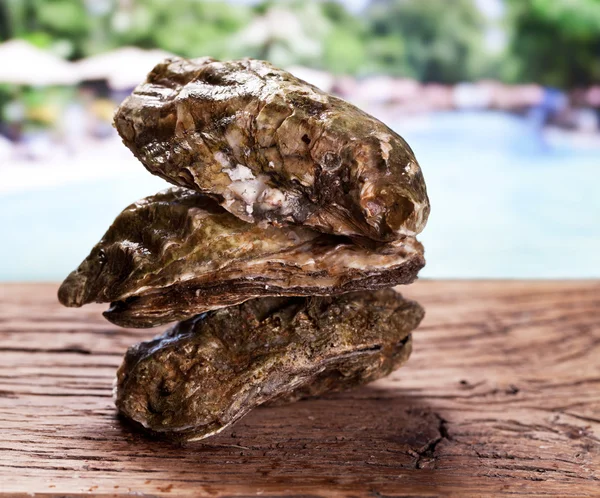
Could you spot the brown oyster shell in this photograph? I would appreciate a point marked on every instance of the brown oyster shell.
(206, 373)
(272, 148)
(288, 201)
(172, 255)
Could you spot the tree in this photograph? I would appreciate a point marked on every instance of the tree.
(190, 28)
(77, 28)
(433, 40)
(555, 42)
(59, 24)
(320, 34)
(344, 46)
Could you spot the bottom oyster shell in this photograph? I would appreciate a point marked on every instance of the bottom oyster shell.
(205, 373)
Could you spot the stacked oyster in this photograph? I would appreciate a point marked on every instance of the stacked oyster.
(293, 214)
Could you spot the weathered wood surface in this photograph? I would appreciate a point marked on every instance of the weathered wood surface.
(501, 395)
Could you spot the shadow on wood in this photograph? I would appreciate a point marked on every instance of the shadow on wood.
(334, 441)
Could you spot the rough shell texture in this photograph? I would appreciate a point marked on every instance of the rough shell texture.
(175, 254)
(206, 373)
(272, 148)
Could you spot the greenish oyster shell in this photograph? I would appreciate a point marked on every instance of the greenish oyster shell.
(293, 214)
(178, 253)
(272, 148)
(205, 373)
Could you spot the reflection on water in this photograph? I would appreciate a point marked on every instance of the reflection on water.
(505, 203)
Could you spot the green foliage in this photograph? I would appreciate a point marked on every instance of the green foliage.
(576, 19)
(344, 46)
(387, 53)
(343, 52)
(437, 40)
(45, 23)
(555, 42)
(285, 33)
(186, 27)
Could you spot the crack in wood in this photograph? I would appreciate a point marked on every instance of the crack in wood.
(427, 456)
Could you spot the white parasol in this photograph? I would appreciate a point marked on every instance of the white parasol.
(24, 64)
(123, 68)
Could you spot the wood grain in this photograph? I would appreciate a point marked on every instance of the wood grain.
(501, 396)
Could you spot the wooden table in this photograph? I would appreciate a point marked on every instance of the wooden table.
(501, 396)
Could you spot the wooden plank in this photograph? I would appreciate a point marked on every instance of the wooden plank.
(501, 396)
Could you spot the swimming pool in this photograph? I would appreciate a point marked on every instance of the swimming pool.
(505, 204)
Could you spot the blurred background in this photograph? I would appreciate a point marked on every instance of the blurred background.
(500, 100)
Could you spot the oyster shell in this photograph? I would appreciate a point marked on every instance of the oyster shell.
(272, 148)
(207, 372)
(178, 253)
(287, 202)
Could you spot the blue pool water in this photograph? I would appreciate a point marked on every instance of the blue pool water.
(505, 203)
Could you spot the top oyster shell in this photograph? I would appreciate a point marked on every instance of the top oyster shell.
(273, 148)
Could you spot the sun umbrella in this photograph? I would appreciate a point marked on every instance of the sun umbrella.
(24, 64)
(321, 79)
(123, 68)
